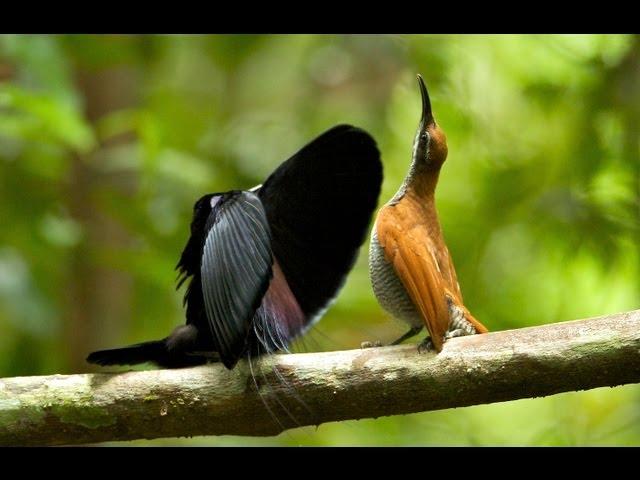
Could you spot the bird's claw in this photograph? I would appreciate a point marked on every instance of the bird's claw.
(426, 346)
(376, 343)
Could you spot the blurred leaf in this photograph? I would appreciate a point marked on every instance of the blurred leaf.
(36, 116)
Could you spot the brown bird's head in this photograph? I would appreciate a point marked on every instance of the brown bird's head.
(430, 144)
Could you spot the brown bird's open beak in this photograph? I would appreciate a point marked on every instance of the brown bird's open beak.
(427, 116)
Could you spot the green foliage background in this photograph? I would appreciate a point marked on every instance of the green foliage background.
(106, 142)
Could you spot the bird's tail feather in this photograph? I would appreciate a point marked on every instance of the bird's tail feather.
(155, 351)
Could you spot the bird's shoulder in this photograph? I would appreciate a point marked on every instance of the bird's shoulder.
(403, 221)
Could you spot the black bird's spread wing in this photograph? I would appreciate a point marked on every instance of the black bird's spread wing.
(235, 270)
(311, 214)
(319, 204)
(228, 258)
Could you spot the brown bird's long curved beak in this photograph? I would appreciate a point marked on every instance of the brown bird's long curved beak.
(427, 115)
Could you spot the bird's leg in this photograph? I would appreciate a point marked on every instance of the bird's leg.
(426, 346)
(411, 333)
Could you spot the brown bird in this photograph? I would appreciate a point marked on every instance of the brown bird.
(410, 267)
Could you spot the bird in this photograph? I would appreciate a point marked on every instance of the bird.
(264, 264)
(410, 268)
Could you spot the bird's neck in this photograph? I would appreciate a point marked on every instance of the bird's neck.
(420, 183)
(418, 189)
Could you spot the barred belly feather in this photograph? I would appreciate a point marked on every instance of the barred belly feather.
(388, 288)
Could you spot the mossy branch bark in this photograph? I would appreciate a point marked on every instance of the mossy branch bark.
(320, 387)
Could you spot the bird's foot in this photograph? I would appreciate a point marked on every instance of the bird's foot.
(376, 343)
(426, 346)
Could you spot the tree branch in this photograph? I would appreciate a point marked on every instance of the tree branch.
(320, 387)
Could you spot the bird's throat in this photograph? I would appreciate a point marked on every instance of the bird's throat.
(423, 182)
(418, 194)
(420, 183)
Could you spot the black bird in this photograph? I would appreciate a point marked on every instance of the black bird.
(266, 263)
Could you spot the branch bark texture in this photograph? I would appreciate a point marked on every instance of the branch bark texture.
(320, 387)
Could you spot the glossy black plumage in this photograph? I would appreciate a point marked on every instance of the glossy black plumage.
(235, 269)
(265, 264)
(319, 204)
